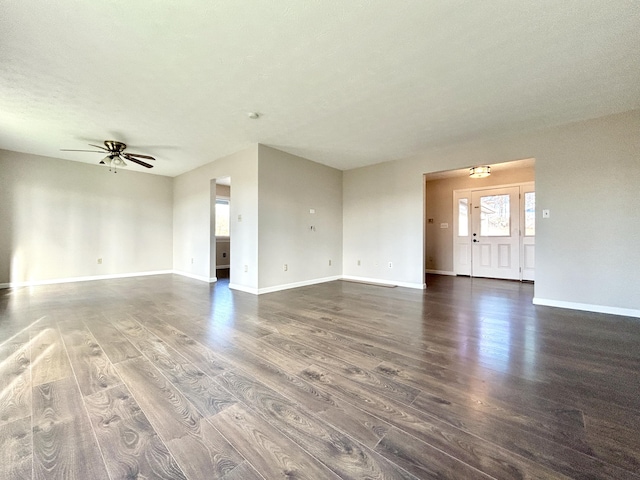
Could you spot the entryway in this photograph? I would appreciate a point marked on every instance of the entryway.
(503, 223)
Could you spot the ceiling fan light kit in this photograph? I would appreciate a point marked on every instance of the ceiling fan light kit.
(116, 155)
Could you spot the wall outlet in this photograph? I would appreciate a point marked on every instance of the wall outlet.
(390, 264)
(286, 267)
(358, 262)
(192, 261)
(99, 261)
(239, 218)
(329, 262)
(246, 268)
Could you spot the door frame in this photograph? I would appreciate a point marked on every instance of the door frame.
(466, 193)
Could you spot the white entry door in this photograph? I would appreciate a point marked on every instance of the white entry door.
(495, 233)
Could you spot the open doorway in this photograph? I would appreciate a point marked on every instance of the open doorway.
(450, 211)
(220, 245)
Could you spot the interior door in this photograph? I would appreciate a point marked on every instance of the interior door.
(495, 233)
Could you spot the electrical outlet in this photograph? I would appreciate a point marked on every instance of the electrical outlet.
(239, 218)
(99, 261)
(329, 262)
(246, 268)
(286, 267)
(358, 262)
(191, 261)
(390, 265)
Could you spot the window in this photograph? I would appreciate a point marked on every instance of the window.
(222, 217)
(530, 214)
(463, 217)
(495, 220)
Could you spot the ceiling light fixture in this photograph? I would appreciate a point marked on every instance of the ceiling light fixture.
(480, 172)
(114, 160)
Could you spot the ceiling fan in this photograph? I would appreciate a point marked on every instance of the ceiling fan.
(116, 155)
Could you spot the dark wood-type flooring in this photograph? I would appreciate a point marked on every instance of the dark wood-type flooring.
(167, 377)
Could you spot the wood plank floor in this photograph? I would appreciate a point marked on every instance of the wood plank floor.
(167, 377)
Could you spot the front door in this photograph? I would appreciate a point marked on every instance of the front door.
(495, 233)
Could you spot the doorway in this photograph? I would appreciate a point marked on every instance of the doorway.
(448, 241)
(220, 231)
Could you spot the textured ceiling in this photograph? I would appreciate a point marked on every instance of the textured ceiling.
(342, 83)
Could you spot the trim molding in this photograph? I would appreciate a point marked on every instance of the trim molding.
(440, 272)
(194, 276)
(242, 288)
(82, 279)
(419, 286)
(304, 283)
(286, 286)
(587, 307)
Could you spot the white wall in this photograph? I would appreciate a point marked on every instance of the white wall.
(290, 187)
(587, 174)
(58, 217)
(383, 222)
(192, 211)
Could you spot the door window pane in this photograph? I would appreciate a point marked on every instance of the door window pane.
(463, 217)
(222, 218)
(530, 214)
(495, 216)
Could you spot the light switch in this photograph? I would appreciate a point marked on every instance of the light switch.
(312, 210)
(546, 213)
(444, 225)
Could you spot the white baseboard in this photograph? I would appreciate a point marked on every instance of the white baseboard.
(587, 307)
(304, 283)
(286, 286)
(89, 278)
(202, 278)
(242, 288)
(419, 286)
(440, 272)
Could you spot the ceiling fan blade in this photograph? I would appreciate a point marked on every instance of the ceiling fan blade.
(141, 156)
(69, 150)
(139, 162)
(98, 146)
